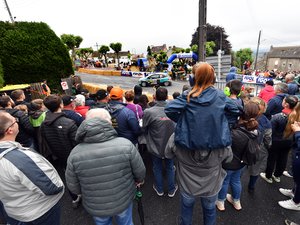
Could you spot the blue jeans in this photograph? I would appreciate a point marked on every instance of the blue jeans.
(208, 206)
(158, 176)
(52, 217)
(233, 178)
(123, 218)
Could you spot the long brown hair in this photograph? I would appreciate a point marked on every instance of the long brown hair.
(248, 119)
(294, 104)
(204, 78)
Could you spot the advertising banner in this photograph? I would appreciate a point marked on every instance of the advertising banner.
(126, 73)
(139, 74)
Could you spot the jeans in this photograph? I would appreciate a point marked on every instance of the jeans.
(52, 217)
(233, 178)
(158, 176)
(208, 206)
(123, 218)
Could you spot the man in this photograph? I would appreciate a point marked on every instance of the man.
(157, 129)
(102, 99)
(123, 119)
(268, 91)
(19, 97)
(232, 74)
(293, 88)
(30, 187)
(26, 131)
(46, 89)
(58, 135)
(104, 169)
(275, 103)
(69, 109)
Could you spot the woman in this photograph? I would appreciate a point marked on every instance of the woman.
(136, 108)
(281, 140)
(201, 143)
(241, 135)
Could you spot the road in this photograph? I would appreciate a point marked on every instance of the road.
(259, 208)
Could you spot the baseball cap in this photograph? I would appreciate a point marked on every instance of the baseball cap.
(116, 93)
(67, 99)
(101, 94)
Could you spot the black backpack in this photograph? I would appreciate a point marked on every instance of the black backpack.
(251, 151)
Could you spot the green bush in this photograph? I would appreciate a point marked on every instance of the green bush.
(31, 52)
(1, 75)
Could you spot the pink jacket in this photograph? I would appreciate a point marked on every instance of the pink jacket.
(267, 93)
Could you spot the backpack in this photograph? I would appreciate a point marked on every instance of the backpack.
(250, 154)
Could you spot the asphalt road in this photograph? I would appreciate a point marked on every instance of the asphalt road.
(259, 208)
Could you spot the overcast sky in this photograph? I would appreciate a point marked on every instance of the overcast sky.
(139, 23)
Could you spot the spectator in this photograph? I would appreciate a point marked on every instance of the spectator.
(246, 130)
(80, 105)
(46, 89)
(232, 74)
(275, 103)
(123, 119)
(281, 140)
(293, 88)
(58, 134)
(103, 161)
(199, 160)
(176, 94)
(69, 109)
(26, 131)
(294, 194)
(102, 99)
(30, 188)
(19, 97)
(268, 91)
(138, 91)
(136, 108)
(108, 89)
(157, 130)
(143, 102)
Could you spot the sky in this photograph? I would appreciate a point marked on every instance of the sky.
(139, 23)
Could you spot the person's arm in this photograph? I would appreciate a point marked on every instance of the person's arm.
(72, 134)
(133, 123)
(72, 179)
(175, 108)
(137, 165)
(170, 148)
(270, 108)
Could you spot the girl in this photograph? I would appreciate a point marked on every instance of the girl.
(245, 130)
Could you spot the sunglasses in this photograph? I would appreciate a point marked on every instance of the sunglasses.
(16, 121)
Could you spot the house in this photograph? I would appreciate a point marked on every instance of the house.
(284, 58)
(158, 49)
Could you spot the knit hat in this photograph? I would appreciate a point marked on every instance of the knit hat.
(101, 94)
(116, 93)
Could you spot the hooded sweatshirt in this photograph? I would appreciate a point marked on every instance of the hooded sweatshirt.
(267, 93)
(29, 184)
(232, 74)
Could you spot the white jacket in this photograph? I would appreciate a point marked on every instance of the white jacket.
(29, 184)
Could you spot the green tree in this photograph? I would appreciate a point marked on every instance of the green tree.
(208, 46)
(104, 49)
(215, 34)
(116, 47)
(187, 50)
(30, 52)
(72, 42)
(1, 75)
(241, 56)
(162, 57)
(84, 53)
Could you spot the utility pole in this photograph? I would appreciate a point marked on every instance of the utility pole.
(97, 46)
(258, 43)
(8, 10)
(202, 30)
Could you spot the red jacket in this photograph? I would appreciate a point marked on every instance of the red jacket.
(267, 93)
(82, 110)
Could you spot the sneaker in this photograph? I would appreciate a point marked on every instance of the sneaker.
(263, 176)
(76, 203)
(289, 204)
(288, 222)
(220, 205)
(157, 192)
(287, 192)
(287, 174)
(236, 204)
(172, 194)
(276, 179)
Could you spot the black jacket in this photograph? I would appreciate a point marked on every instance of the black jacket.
(26, 131)
(58, 132)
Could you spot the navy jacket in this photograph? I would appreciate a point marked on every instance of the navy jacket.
(275, 105)
(124, 121)
(201, 123)
(293, 88)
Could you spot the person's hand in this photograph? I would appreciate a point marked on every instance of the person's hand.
(139, 184)
(295, 126)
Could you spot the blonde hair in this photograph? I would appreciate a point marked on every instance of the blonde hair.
(261, 103)
(204, 78)
(293, 116)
